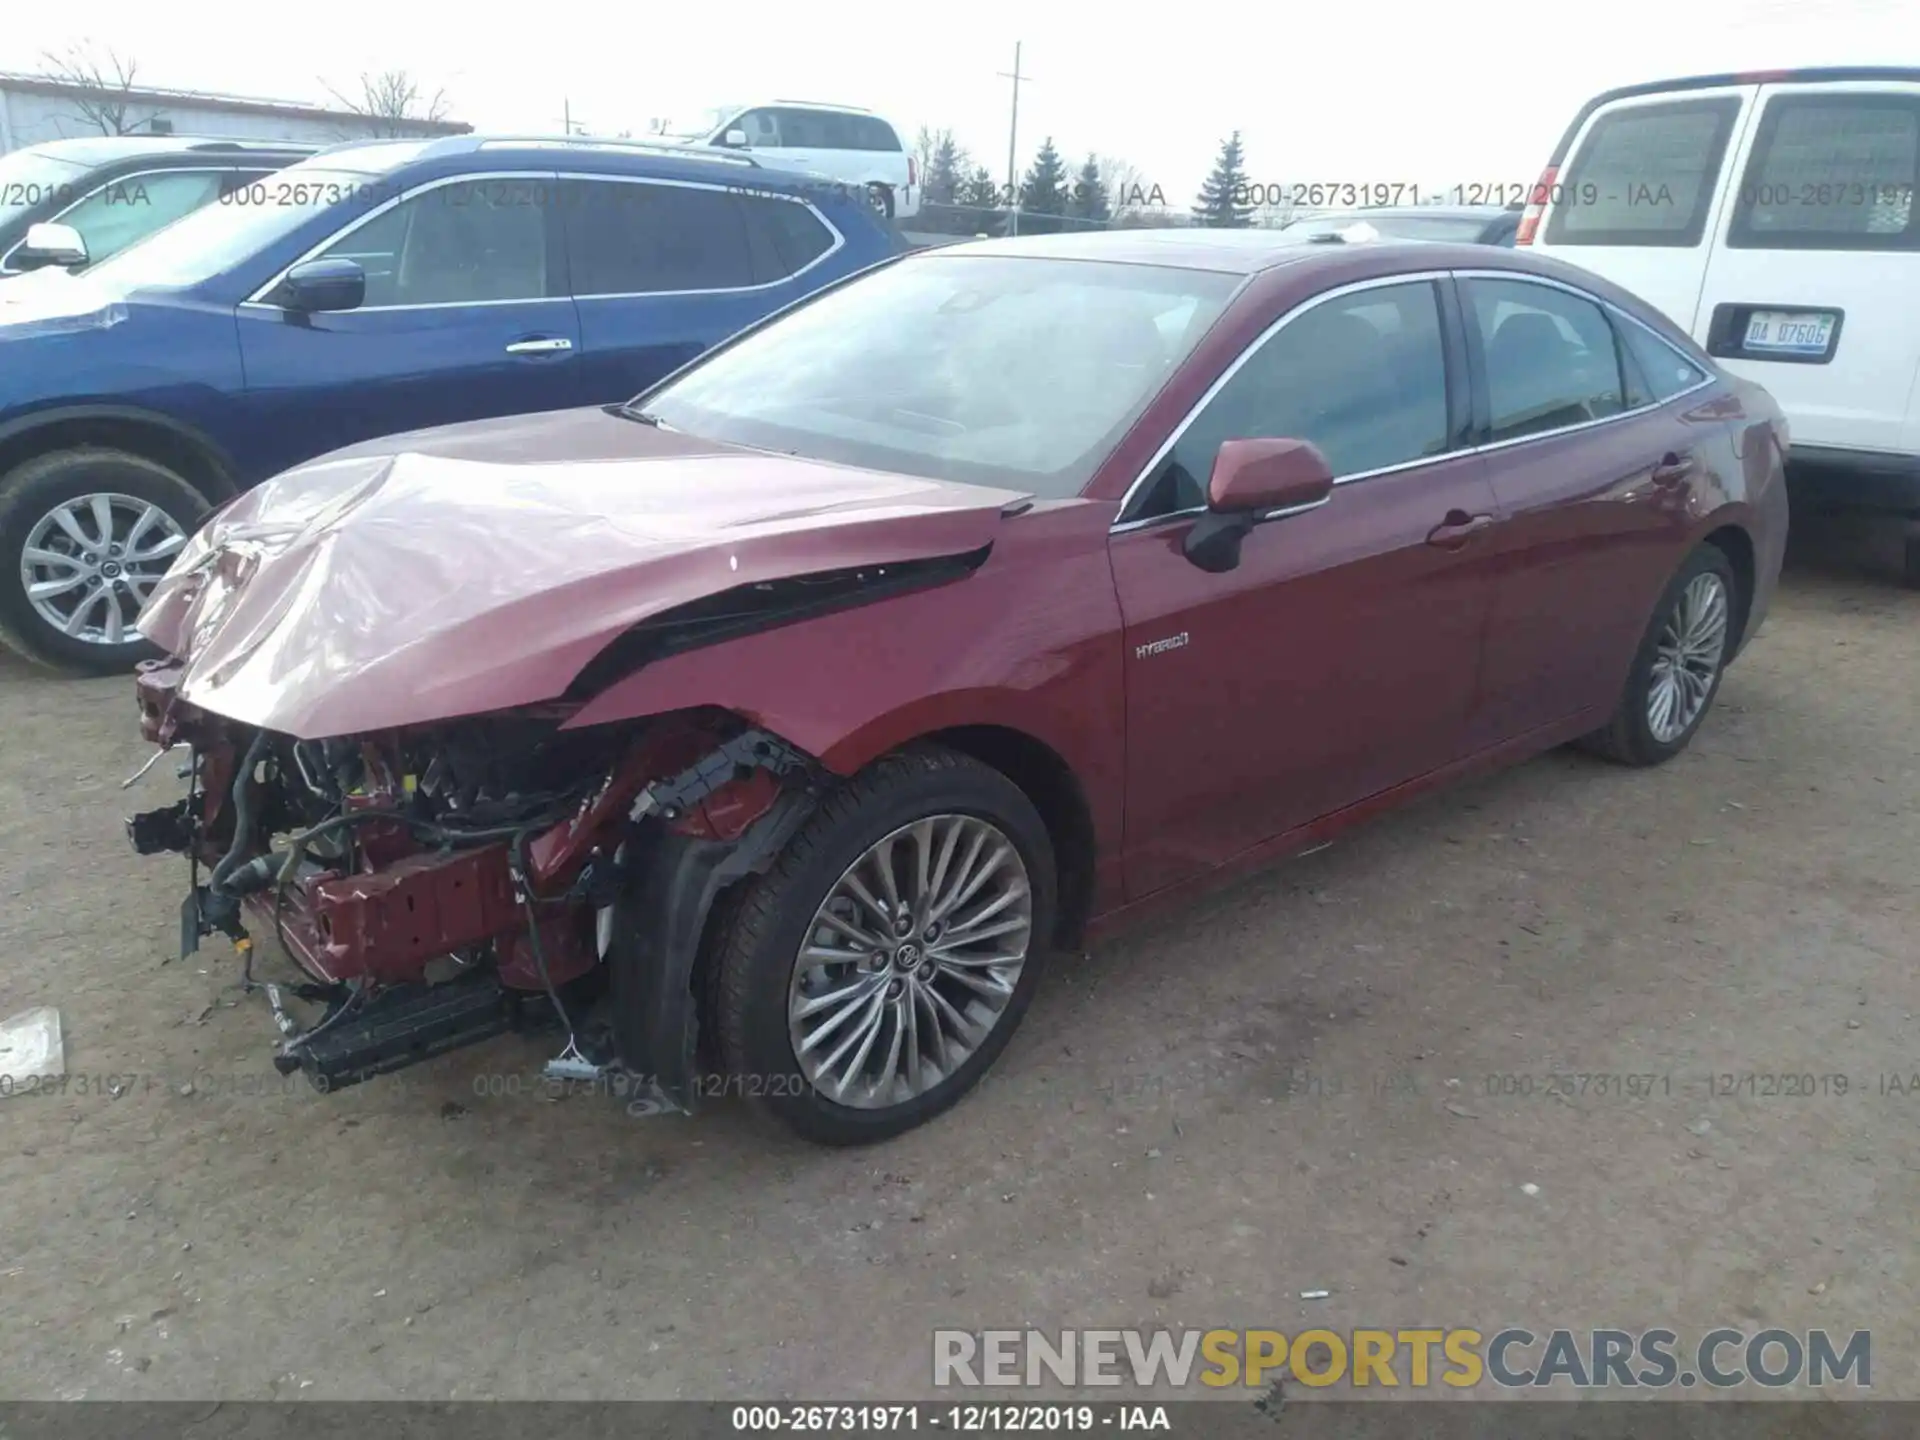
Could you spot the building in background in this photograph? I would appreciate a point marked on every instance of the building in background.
(38, 108)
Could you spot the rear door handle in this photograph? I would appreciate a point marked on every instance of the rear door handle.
(1457, 529)
(546, 345)
(1673, 469)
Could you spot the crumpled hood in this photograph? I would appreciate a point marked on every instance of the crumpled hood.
(464, 570)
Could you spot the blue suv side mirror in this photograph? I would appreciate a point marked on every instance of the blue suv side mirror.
(317, 285)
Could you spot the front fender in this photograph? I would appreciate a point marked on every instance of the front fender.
(1028, 642)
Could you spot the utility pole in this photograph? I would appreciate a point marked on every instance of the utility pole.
(1013, 143)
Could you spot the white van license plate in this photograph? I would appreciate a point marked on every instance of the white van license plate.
(1789, 332)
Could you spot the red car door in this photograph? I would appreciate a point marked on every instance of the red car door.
(1339, 657)
(1595, 474)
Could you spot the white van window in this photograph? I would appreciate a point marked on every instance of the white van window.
(1831, 172)
(1645, 175)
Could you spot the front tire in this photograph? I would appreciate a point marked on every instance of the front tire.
(84, 537)
(872, 976)
(1677, 670)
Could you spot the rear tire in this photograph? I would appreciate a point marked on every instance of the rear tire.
(32, 497)
(1641, 731)
(880, 197)
(763, 983)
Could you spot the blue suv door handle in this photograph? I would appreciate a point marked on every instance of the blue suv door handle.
(543, 346)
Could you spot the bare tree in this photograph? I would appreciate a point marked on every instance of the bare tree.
(392, 104)
(1128, 191)
(108, 82)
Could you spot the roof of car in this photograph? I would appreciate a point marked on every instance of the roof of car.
(1409, 212)
(105, 149)
(1232, 252)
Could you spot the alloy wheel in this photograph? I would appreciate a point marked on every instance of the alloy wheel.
(92, 562)
(1687, 657)
(910, 961)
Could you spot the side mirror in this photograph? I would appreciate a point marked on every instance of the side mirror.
(47, 244)
(1252, 479)
(735, 139)
(317, 285)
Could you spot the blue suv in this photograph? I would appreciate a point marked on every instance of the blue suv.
(374, 288)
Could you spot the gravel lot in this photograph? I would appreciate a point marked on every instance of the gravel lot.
(1196, 1123)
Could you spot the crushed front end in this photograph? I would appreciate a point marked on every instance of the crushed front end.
(439, 885)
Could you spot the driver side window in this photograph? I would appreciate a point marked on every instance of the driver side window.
(1362, 376)
(460, 244)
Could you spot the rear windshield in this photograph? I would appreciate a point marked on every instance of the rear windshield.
(1400, 227)
(1644, 175)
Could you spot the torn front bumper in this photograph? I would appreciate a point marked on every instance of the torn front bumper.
(417, 949)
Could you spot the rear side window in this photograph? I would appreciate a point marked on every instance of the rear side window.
(1831, 172)
(1655, 371)
(815, 130)
(874, 134)
(1549, 357)
(632, 238)
(1645, 175)
(785, 236)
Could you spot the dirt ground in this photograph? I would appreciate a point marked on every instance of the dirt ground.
(1196, 1123)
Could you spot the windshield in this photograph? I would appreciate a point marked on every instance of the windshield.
(242, 222)
(1015, 372)
(28, 177)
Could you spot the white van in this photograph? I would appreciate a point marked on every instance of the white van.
(841, 142)
(1772, 215)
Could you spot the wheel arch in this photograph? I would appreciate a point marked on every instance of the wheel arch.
(189, 452)
(1733, 541)
(1045, 778)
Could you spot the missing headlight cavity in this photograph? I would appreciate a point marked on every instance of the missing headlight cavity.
(746, 609)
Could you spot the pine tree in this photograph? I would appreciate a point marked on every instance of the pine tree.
(1090, 197)
(1043, 194)
(1223, 201)
(945, 172)
(980, 199)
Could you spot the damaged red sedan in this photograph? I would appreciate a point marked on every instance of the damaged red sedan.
(764, 733)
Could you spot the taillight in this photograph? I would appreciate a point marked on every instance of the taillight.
(913, 173)
(1536, 205)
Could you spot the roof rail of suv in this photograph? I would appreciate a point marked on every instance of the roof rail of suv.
(246, 146)
(826, 105)
(696, 153)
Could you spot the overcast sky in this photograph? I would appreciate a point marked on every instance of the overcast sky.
(1348, 91)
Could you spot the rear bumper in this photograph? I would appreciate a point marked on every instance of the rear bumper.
(1827, 478)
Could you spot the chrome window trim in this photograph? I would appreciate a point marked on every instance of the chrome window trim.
(5, 260)
(1120, 527)
(748, 191)
(254, 301)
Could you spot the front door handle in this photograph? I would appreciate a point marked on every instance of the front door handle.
(1457, 529)
(542, 346)
(1673, 469)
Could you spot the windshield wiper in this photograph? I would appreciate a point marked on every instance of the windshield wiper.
(641, 416)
